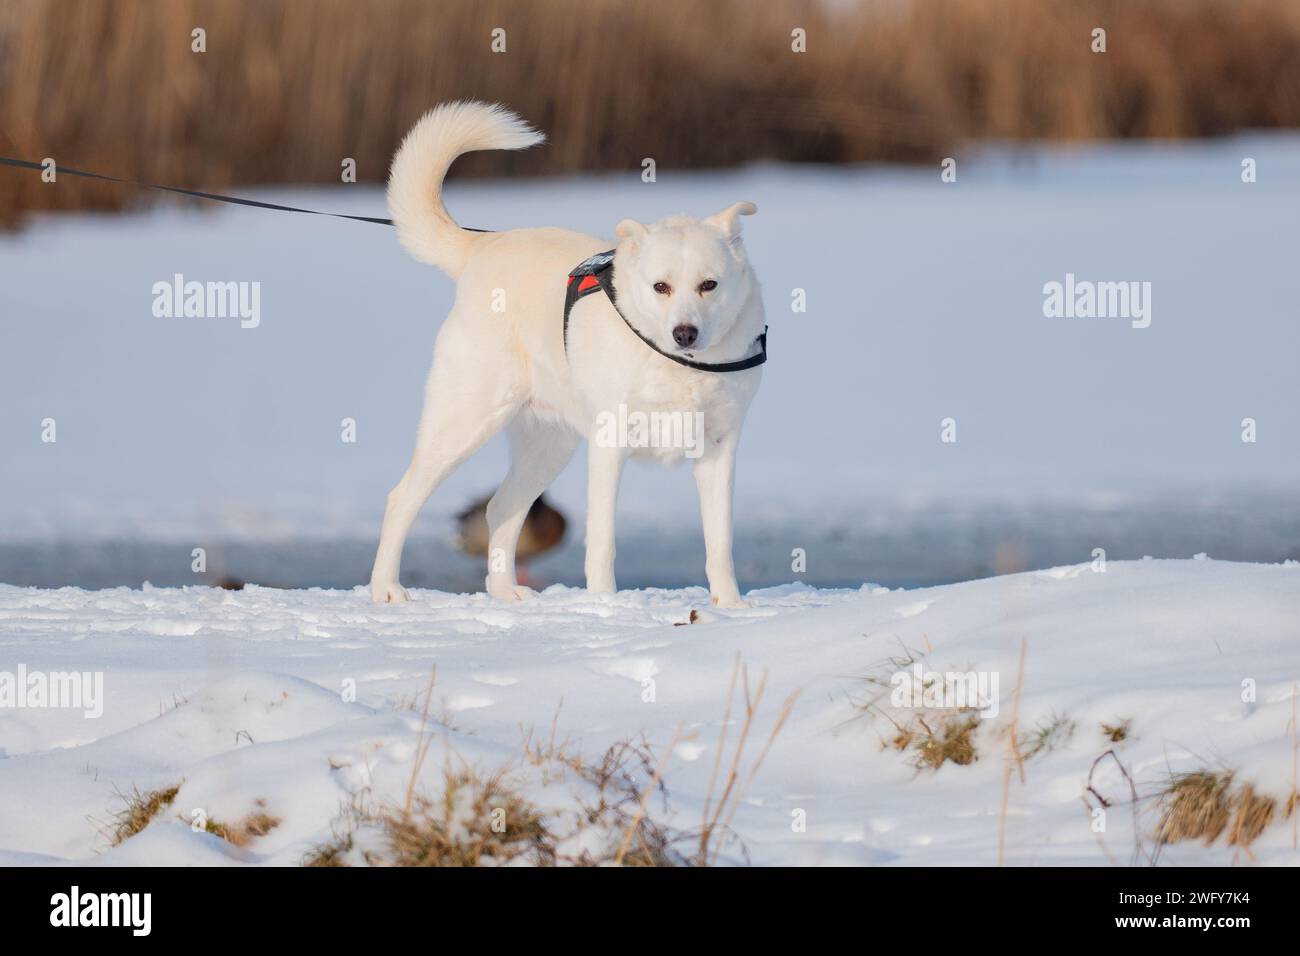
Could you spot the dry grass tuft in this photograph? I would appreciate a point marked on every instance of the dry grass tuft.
(482, 820)
(946, 738)
(257, 824)
(140, 807)
(1251, 814)
(1119, 731)
(1195, 806)
(478, 822)
(1046, 736)
(625, 778)
(1203, 804)
(331, 854)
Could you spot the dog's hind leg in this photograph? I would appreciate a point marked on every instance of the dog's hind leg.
(538, 453)
(461, 412)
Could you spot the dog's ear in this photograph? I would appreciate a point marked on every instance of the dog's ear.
(629, 229)
(726, 220)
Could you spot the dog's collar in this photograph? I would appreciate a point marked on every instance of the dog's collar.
(597, 273)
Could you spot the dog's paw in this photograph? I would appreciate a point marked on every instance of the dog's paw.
(730, 603)
(511, 592)
(388, 594)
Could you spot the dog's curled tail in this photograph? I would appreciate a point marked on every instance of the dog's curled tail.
(421, 163)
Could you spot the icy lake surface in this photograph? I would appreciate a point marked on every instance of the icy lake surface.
(924, 302)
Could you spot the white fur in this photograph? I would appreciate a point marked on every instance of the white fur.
(495, 370)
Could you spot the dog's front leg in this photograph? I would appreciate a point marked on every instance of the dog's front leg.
(715, 473)
(604, 468)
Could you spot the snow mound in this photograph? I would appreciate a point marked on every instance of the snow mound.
(302, 705)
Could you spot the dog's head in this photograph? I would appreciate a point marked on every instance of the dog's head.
(685, 282)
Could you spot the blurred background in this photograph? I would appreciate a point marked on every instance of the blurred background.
(924, 297)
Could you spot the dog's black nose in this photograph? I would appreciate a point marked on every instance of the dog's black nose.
(685, 335)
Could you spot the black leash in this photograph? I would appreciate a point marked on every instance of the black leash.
(599, 268)
(597, 274)
(215, 197)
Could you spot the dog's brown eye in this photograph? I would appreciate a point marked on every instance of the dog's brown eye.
(708, 285)
(663, 288)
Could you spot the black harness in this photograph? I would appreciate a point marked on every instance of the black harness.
(597, 273)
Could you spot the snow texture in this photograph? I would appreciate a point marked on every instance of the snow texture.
(238, 697)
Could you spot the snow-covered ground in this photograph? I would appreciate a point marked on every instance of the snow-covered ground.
(242, 697)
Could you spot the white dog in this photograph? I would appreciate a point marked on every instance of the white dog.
(678, 335)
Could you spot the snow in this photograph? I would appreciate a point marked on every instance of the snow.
(241, 698)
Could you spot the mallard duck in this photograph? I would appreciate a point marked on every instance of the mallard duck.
(543, 530)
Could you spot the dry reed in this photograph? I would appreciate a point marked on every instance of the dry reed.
(286, 91)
